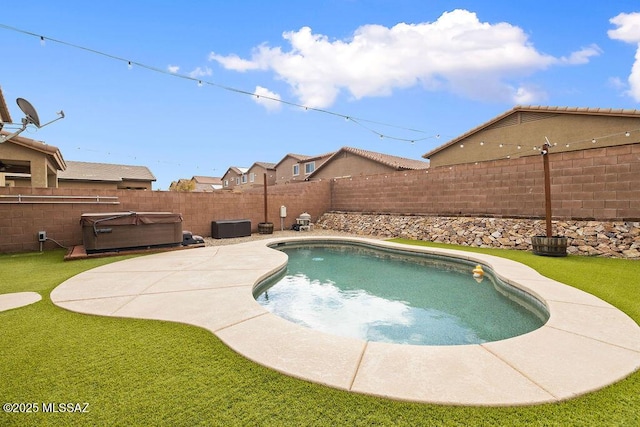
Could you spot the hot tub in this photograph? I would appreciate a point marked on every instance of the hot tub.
(114, 231)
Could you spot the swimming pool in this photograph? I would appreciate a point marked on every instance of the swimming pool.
(390, 296)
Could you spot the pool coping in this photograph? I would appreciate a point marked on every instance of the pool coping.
(585, 345)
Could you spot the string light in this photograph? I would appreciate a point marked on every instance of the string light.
(42, 42)
(129, 66)
(516, 147)
(358, 121)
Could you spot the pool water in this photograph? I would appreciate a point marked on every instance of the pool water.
(378, 295)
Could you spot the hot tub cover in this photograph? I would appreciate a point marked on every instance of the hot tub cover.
(130, 218)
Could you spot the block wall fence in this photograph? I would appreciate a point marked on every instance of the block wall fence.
(20, 222)
(601, 184)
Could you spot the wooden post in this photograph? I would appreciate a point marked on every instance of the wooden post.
(547, 188)
(265, 199)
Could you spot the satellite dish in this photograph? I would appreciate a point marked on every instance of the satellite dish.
(29, 111)
(31, 117)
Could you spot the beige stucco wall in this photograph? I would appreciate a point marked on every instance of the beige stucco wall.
(284, 171)
(259, 176)
(561, 129)
(43, 173)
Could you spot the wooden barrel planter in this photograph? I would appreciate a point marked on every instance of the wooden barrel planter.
(549, 246)
(265, 228)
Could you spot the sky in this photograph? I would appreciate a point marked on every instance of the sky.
(195, 87)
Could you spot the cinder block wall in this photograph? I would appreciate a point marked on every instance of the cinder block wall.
(20, 222)
(600, 184)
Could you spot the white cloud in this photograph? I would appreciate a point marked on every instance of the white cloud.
(457, 53)
(234, 62)
(173, 69)
(200, 72)
(267, 99)
(629, 31)
(628, 27)
(581, 56)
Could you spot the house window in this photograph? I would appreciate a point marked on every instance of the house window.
(296, 169)
(252, 177)
(237, 180)
(309, 167)
(244, 178)
(226, 183)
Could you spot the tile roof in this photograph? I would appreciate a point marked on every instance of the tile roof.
(304, 157)
(618, 112)
(87, 171)
(237, 170)
(265, 165)
(4, 110)
(49, 150)
(199, 179)
(399, 163)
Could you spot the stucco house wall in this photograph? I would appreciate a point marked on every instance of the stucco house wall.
(40, 160)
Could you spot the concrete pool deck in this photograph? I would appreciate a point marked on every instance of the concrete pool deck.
(586, 344)
(18, 299)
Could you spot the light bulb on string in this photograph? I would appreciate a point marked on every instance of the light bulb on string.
(627, 133)
(199, 83)
(129, 66)
(42, 41)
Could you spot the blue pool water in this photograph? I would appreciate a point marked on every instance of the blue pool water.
(379, 295)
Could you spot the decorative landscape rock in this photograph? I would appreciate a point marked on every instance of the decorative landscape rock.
(591, 238)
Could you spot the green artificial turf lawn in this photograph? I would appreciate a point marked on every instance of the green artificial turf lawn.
(141, 372)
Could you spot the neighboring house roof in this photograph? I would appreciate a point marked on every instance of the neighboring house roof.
(206, 179)
(237, 170)
(5, 117)
(544, 112)
(53, 152)
(86, 171)
(399, 163)
(207, 183)
(303, 157)
(395, 162)
(264, 165)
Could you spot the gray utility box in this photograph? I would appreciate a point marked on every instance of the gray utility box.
(230, 228)
(104, 232)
